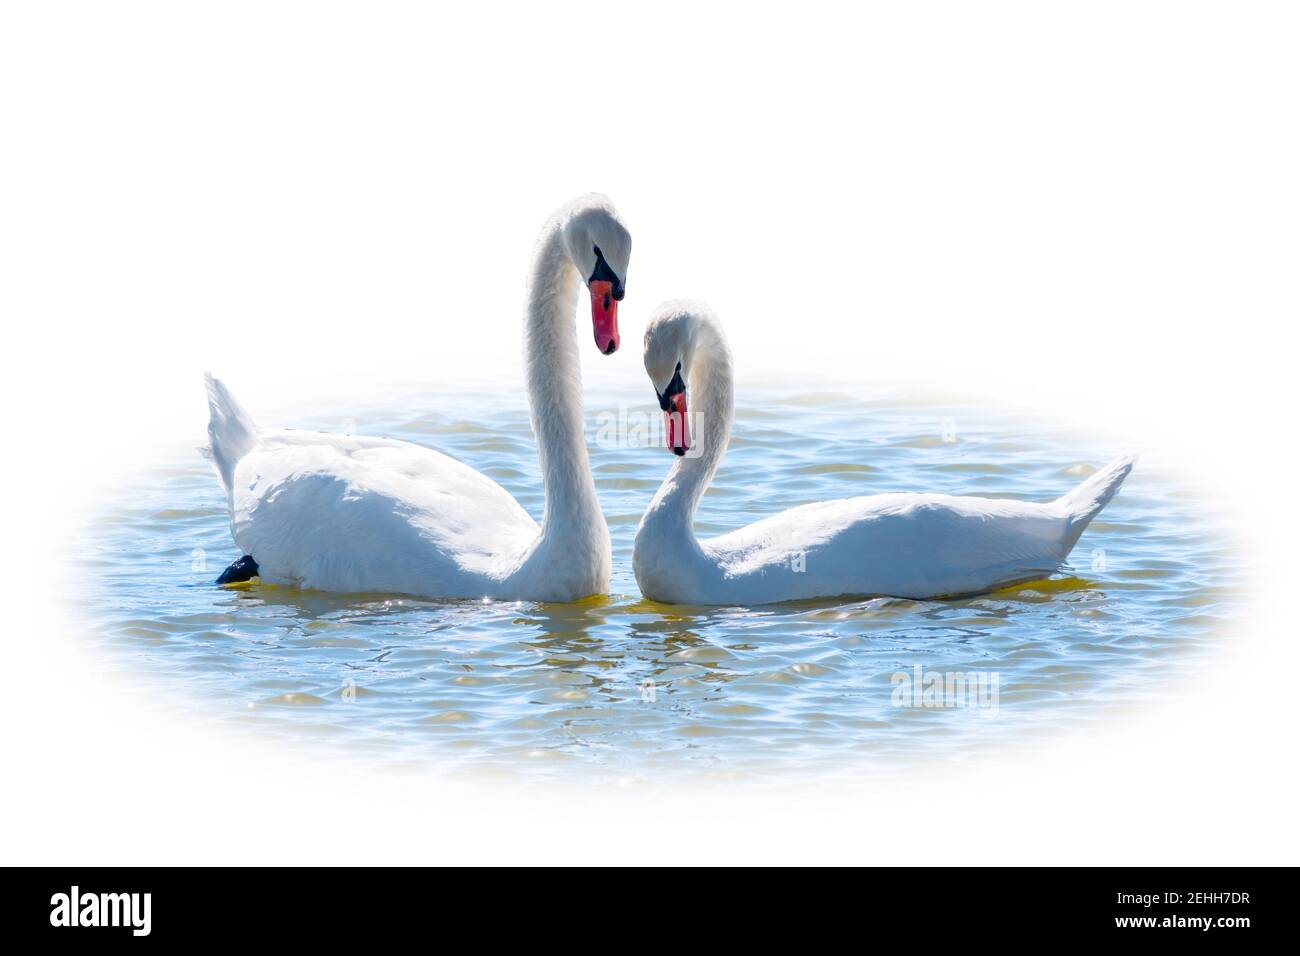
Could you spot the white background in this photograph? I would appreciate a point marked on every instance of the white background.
(1085, 209)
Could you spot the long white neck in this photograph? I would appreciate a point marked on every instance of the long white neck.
(555, 391)
(711, 404)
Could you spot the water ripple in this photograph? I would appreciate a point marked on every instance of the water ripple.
(634, 689)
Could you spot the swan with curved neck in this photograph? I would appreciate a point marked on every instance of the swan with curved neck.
(342, 513)
(899, 545)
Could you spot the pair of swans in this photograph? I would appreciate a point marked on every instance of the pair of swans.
(343, 513)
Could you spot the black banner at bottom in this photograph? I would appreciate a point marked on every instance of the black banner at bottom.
(366, 906)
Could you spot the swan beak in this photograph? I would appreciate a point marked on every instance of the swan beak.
(604, 316)
(676, 428)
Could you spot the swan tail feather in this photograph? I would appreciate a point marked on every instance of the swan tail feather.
(1085, 502)
(231, 430)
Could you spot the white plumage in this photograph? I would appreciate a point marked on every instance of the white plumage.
(342, 513)
(902, 545)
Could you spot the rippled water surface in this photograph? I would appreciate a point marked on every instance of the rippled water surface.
(630, 689)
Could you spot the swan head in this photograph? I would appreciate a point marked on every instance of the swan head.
(671, 340)
(600, 246)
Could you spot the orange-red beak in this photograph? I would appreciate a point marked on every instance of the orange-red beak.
(604, 316)
(676, 427)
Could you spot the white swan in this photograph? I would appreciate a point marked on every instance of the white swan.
(901, 545)
(338, 513)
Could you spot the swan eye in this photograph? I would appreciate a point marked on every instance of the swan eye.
(675, 387)
(603, 273)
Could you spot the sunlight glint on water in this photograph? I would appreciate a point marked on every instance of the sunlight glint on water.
(631, 689)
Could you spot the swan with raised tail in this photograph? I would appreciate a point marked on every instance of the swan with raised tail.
(898, 545)
(341, 513)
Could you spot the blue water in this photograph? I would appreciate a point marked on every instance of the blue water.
(625, 689)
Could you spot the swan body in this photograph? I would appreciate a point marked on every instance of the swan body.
(342, 513)
(899, 545)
